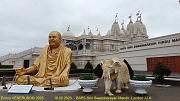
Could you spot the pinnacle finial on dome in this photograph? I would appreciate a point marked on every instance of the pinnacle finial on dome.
(97, 29)
(116, 18)
(68, 32)
(138, 14)
(130, 17)
(122, 24)
(68, 29)
(84, 32)
(140, 17)
(88, 28)
(98, 32)
(90, 33)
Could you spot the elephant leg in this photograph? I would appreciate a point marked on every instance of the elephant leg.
(108, 87)
(126, 86)
(118, 90)
(114, 87)
(118, 85)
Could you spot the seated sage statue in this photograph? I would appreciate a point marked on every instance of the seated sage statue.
(52, 65)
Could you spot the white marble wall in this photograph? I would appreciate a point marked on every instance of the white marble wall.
(137, 56)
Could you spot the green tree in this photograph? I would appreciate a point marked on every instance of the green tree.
(73, 66)
(160, 71)
(98, 71)
(88, 66)
(131, 72)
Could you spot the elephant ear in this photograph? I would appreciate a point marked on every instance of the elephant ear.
(106, 74)
(101, 64)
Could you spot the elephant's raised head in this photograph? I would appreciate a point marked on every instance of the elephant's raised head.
(117, 64)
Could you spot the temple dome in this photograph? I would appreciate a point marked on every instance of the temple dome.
(115, 30)
(68, 33)
(139, 28)
(130, 27)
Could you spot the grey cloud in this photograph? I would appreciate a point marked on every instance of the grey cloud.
(26, 23)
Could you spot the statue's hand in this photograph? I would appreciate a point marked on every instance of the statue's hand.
(20, 71)
(63, 77)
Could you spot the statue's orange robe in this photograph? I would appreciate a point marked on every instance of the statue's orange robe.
(59, 66)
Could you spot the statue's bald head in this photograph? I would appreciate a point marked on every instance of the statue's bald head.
(55, 33)
(54, 39)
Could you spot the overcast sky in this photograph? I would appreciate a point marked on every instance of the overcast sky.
(25, 24)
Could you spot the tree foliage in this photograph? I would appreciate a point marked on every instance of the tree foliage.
(73, 65)
(98, 71)
(88, 66)
(160, 71)
(131, 72)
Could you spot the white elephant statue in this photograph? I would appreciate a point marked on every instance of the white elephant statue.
(115, 70)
